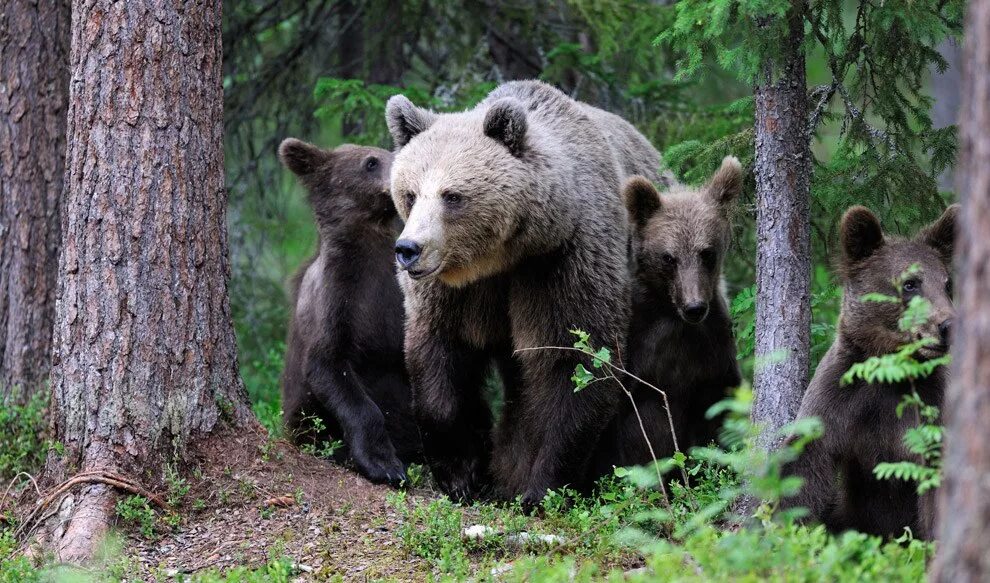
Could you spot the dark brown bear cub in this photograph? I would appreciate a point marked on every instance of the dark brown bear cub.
(861, 427)
(344, 360)
(680, 334)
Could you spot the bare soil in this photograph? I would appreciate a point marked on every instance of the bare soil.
(253, 500)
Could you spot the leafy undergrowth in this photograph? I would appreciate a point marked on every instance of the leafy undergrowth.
(253, 508)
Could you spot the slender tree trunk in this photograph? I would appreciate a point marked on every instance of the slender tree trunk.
(144, 352)
(34, 93)
(964, 499)
(945, 91)
(783, 257)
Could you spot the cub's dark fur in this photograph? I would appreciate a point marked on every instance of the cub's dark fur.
(680, 334)
(344, 360)
(861, 427)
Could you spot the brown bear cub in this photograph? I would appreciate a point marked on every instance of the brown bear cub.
(344, 360)
(861, 427)
(680, 333)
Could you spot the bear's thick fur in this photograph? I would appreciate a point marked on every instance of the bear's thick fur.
(515, 234)
(861, 427)
(680, 335)
(344, 359)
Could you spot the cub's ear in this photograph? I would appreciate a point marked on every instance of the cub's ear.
(727, 182)
(641, 198)
(405, 120)
(300, 157)
(861, 235)
(941, 235)
(506, 122)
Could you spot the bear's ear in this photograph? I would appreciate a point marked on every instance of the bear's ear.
(726, 184)
(505, 121)
(941, 235)
(641, 198)
(300, 157)
(861, 235)
(405, 120)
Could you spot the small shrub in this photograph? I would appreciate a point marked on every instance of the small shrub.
(136, 511)
(22, 436)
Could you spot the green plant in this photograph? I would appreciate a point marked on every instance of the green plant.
(177, 486)
(325, 448)
(22, 435)
(136, 511)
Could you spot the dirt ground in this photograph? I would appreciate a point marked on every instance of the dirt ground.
(252, 500)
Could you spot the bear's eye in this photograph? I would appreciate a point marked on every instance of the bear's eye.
(410, 199)
(371, 164)
(668, 260)
(911, 286)
(708, 257)
(452, 198)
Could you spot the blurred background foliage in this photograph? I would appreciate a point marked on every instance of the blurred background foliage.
(321, 71)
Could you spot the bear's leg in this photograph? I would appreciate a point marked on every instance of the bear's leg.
(336, 384)
(560, 428)
(505, 466)
(454, 420)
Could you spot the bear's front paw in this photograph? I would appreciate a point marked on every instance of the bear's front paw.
(380, 465)
(460, 480)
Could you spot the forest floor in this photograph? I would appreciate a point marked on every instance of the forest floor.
(252, 500)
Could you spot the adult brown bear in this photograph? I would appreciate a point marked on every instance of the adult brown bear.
(515, 234)
(344, 360)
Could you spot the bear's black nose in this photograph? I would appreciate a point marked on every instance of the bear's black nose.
(407, 252)
(945, 332)
(695, 312)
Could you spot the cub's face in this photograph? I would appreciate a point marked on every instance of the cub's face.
(347, 185)
(455, 182)
(872, 262)
(681, 239)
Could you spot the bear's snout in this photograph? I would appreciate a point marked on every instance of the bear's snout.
(945, 333)
(407, 253)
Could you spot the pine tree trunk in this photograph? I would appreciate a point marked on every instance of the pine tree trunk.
(144, 352)
(783, 257)
(34, 94)
(964, 498)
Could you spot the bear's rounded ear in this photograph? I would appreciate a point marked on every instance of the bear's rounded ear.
(941, 235)
(406, 121)
(641, 198)
(505, 121)
(300, 157)
(726, 184)
(861, 235)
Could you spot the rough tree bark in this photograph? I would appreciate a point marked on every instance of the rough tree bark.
(34, 93)
(964, 499)
(144, 353)
(783, 257)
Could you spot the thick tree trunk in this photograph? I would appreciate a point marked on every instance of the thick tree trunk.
(783, 257)
(144, 353)
(34, 93)
(964, 499)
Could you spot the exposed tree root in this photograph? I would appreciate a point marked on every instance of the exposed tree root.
(78, 524)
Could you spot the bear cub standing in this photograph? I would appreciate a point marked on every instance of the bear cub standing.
(344, 361)
(680, 333)
(861, 427)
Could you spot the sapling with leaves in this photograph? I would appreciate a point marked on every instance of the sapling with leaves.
(891, 344)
